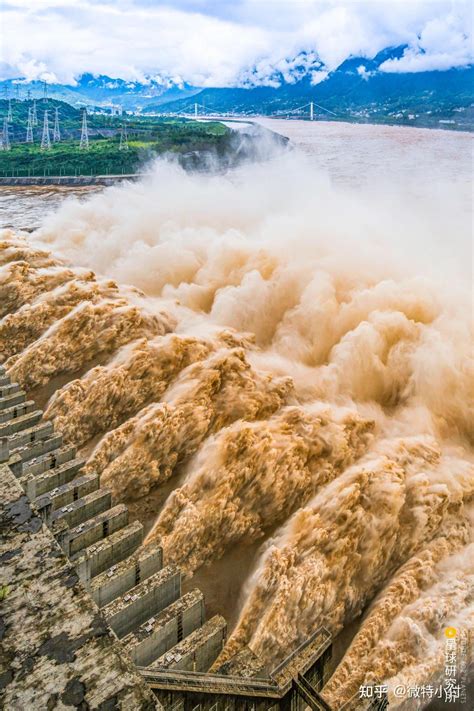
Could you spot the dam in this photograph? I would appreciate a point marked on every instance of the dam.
(91, 615)
(233, 430)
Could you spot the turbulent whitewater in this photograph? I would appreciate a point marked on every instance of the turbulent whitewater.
(278, 347)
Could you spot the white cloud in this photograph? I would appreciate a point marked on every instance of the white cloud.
(363, 73)
(443, 43)
(221, 43)
(271, 71)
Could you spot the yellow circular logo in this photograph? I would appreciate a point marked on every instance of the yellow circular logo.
(450, 632)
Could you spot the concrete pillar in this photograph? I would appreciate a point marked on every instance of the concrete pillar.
(82, 510)
(56, 478)
(62, 496)
(94, 530)
(11, 413)
(31, 435)
(198, 651)
(19, 423)
(150, 597)
(159, 634)
(11, 400)
(32, 450)
(52, 460)
(98, 557)
(4, 449)
(123, 576)
(9, 389)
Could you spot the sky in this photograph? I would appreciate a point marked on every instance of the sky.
(225, 42)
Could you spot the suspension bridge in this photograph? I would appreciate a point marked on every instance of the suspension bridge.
(195, 110)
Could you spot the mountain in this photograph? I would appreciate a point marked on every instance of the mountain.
(100, 91)
(356, 91)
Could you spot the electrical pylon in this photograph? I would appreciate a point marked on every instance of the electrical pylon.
(84, 144)
(123, 139)
(34, 115)
(5, 137)
(29, 128)
(56, 131)
(10, 114)
(45, 138)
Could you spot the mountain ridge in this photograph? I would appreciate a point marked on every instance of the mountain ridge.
(357, 90)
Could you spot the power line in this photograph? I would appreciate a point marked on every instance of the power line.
(45, 138)
(5, 136)
(84, 144)
(34, 115)
(29, 128)
(56, 131)
(123, 138)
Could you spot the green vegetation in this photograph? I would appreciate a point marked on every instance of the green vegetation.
(147, 138)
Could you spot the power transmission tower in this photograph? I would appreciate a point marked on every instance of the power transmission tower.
(45, 92)
(123, 138)
(5, 136)
(45, 138)
(195, 110)
(84, 145)
(56, 131)
(29, 128)
(34, 115)
(10, 114)
(28, 95)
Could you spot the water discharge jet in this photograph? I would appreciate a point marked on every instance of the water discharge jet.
(348, 321)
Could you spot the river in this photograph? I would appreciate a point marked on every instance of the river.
(425, 163)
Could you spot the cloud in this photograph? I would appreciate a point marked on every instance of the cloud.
(273, 71)
(213, 43)
(443, 43)
(363, 72)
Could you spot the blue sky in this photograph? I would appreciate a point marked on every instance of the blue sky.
(225, 42)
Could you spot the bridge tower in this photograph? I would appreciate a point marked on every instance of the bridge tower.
(56, 131)
(29, 128)
(45, 138)
(84, 144)
(311, 111)
(5, 136)
(34, 115)
(123, 138)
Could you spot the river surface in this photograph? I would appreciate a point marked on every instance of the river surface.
(428, 164)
